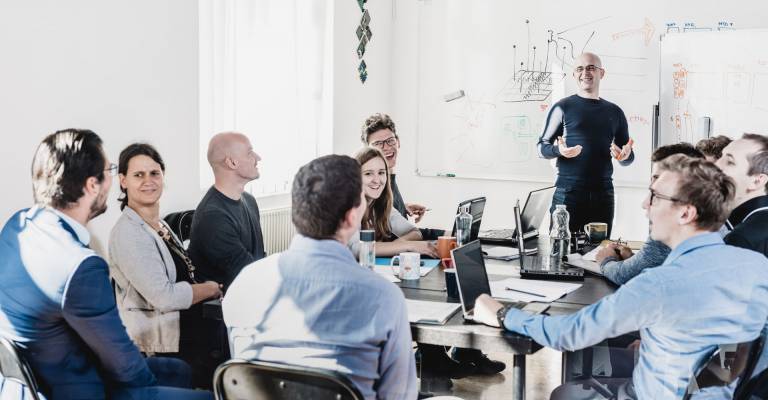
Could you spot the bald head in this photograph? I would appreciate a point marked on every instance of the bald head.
(226, 144)
(588, 58)
(588, 71)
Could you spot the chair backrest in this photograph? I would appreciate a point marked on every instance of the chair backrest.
(13, 367)
(729, 363)
(256, 380)
(181, 223)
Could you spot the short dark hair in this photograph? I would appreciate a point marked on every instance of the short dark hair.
(63, 161)
(375, 123)
(713, 146)
(133, 150)
(324, 190)
(704, 186)
(677, 148)
(758, 161)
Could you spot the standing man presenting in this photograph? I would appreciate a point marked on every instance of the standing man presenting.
(583, 132)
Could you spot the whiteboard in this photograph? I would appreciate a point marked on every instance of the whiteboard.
(720, 75)
(486, 49)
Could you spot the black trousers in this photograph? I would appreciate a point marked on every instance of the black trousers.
(585, 205)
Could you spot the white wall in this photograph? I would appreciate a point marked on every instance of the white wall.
(127, 70)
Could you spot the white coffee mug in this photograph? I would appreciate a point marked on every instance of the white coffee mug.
(409, 265)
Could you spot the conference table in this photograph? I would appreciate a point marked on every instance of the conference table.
(457, 332)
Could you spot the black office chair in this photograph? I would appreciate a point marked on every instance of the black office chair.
(257, 380)
(726, 364)
(181, 223)
(14, 368)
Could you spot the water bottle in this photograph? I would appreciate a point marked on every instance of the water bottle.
(367, 249)
(559, 237)
(463, 226)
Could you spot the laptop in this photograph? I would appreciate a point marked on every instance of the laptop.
(476, 208)
(536, 207)
(535, 267)
(472, 278)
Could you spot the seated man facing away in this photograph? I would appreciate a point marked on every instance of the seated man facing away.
(56, 302)
(705, 294)
(313, 305)
(617, 263)
(712, 147)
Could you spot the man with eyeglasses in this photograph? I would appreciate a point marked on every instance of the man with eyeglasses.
(56, 302)
(379, 131)
(583, 132)
(705, 294)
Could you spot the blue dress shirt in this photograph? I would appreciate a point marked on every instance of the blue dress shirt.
(313, 305)
(57, 304)
(706, 293)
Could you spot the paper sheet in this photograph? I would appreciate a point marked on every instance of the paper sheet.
(539, 291)
(430, 312)
(577, 260)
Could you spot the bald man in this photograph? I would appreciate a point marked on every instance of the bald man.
(584, 132)
(226, 236)
(226, 231)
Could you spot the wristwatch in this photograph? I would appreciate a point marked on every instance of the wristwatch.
(501, 314)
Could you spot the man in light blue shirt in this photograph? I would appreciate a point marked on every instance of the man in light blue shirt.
(313, 305)
(705, 293)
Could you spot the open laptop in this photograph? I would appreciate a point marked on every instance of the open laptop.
(535, 267)
(472, 278)
(536, 207)
(476, 208)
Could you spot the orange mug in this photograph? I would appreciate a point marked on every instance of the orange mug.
(444, 246)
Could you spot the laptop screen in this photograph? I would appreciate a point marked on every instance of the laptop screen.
(536, 207)
(476, 208)
(470, 274)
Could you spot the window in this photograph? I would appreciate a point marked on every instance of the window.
(265, 71)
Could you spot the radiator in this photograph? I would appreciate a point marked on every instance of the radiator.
(277, 229)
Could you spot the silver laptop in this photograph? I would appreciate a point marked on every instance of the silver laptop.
(472, 278)
(536, 207)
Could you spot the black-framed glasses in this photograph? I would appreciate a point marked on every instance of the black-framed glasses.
(112, 169)
(588, 68)
(661, 196)
(391, 142)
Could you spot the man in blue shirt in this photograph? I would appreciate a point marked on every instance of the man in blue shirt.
(313, 305)
(705, 293)
(583, 132)
(56, 302)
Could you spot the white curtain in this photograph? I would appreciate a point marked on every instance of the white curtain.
(265, 71)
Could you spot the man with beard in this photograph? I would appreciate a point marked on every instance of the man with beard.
(56, 302)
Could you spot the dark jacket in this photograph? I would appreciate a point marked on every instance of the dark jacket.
(749, 225)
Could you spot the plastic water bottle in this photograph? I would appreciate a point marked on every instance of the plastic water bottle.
(463, 226)
(559, 237)
(367, 249)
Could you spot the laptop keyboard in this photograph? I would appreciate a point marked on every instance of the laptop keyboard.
(498, 234)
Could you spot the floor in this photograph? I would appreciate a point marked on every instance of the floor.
(542, 375)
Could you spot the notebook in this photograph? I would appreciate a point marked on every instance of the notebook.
(430, 312)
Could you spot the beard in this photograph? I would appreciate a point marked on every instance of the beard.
(99, 206)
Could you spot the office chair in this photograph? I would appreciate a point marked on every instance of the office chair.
(261, 380)
(180, 223)
(726, 364)
(14, 368)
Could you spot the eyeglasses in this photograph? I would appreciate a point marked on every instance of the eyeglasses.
(391, 142)
(588, 68)
(661, 196)
(112, 169)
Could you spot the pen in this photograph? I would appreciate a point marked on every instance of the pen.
(524, 292)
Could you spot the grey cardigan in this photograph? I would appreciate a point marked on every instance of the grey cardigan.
(148, 296)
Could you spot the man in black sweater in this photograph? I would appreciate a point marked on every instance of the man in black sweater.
(583, 132)
(745, 160)
(226, 231)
